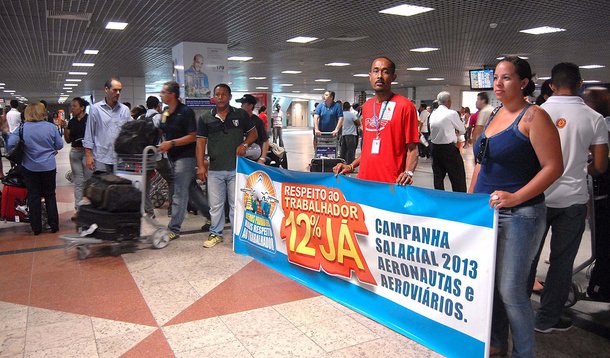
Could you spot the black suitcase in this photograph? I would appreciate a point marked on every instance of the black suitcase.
(112, 193)
(324, 165)
(113, 226)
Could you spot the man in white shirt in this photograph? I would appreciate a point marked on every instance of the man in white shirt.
(13, 117)
(582, 130)
(277, 125)
(424, 150)
(485, 110)
(446, 158)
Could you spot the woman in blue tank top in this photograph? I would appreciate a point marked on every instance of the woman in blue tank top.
(518, 156)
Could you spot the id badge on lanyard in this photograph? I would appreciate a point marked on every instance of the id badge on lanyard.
(377, 141)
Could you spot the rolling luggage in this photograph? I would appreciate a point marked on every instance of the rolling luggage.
(113, 226)
(326, 154)
(324, 165)
(112, 193)
(12, 196)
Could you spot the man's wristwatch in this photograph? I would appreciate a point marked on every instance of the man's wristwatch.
(409, 173)
(245, 145)
(173, 143)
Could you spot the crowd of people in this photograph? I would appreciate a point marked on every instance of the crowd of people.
(531, 160)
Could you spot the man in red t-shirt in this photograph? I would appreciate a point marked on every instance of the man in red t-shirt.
(262, 115)
(390, 132)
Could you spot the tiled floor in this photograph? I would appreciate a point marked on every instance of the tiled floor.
(186, 301)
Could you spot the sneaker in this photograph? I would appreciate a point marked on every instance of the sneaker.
(205, 227)
(173, 236)
(561, 326)
(22, 208)
(212, 241)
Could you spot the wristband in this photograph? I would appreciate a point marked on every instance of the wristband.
(409, 173)
(173, 143)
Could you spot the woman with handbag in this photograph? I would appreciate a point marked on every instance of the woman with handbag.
(40, 142)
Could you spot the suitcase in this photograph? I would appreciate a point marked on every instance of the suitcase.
(324, 165)
(112, 226)
(11, 197)
(113, 193)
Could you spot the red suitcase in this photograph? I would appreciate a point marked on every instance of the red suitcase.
(11, 197)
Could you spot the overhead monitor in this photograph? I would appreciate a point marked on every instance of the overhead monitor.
(482, 79)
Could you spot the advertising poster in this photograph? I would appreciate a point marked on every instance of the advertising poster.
(418, 261)
(199, 67)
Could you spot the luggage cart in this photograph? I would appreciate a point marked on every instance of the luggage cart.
(151, 233)
(326, 154)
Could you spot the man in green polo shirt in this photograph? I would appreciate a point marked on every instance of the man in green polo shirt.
(223, 131)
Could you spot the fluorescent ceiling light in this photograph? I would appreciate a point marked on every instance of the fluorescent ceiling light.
(591, 67)
(150, 86)
(542, 30)
(262, 87)
(337, 64)
(417, 68)
(73, 80)
(424, 49)
(258, 78)
(322, 80)
(292, 72)
(319, 89)
(2, 84)
(83, 64)
(91, 52)
(302, 39)
(78, 73)
(112, 25)
(9, 91)
(406, 10)
(242, 90)
(361, 75)
(68, 91)
(179, 67)
(71, 84)
(1, 88)
(544, 78)
(394, 83)
(286, 85)
(296, 91)
(500, 58)
(435, 79)
(67, 88)
(588, 81)
(239, 58)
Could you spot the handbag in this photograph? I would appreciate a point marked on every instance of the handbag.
(15, 155)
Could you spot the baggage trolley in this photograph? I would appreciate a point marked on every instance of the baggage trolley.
(326, 154)
(151, 233)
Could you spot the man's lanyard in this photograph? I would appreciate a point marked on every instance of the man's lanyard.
(375, 118)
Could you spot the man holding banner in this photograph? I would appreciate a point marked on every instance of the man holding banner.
(390, 132)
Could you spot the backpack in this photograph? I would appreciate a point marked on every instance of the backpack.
(135, 135)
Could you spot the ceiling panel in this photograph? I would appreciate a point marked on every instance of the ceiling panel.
(43, 38)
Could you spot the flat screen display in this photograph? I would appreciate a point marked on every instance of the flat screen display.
(482, 79)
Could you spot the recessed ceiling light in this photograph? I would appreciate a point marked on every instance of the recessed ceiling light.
(9, 91)
(544, 78)
(406, 10)
(262, 88)
(424, 49)
(71, 84)
(239, 58)
(67, 88)
(323, 80)
(417, 68)
(435, 79)
(588, 81)
(337, 64)
(73, 80)
(292, 72)
(542, 30)
(500, 58)
(112, 25)
(286, 85)
(179, 67)
(83, 64)
(394, 83)
(296, 91)
(302, 39)
(361, 75)
(68, 91)
(1, 88)
(78, 73)
(230, 83)
(258, 78)
(591, 67)
(2, 84)
(242, 90)
(319, 89)
(91, 52)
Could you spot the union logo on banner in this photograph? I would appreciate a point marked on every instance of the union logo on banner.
(260, 202)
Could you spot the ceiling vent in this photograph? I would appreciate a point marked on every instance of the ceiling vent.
(347, 38)
(63, 53)
(69, 15)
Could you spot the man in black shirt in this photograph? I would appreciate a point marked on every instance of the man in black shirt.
(248, 102)
(179, 127)
(222, 130)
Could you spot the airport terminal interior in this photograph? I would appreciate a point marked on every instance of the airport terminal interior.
(189, 301)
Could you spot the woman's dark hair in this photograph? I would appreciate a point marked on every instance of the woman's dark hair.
(545, 90)
(83, 103)
(262, 109)
(523, 69)
(138, 111)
